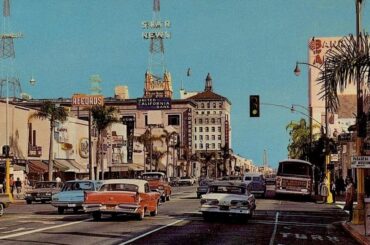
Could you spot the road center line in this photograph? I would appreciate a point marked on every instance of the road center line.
(150, 232)
(275, 228)
(42, 229)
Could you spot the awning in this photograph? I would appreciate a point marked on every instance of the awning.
(35, 166)
(65, 166)
(82, 168)
(118, 168)
(19, 167)
(135, 167)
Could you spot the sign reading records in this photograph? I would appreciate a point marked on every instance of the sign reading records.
(87, 100)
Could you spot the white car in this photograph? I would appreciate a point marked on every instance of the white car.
(230, 198)
(186, 180)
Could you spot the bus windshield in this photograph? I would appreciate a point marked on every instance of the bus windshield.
(294, 168)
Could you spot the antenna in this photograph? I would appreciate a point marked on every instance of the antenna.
(95, 81)
(7, 53)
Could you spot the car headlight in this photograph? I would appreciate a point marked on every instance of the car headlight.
(27, 194)
(47, 194)
(160, 187)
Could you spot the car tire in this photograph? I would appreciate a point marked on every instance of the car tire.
(60, 210)
(155, 212)
(168, 197)
(96, 216)
(163, 198)
(28, 201)
(141, 215)
(43, 201)
(75, 210)
(1, 209)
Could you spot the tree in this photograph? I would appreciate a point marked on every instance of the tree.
(157, 156)
(187, 156)
(300, 139)
(53, 113)
(102, 117)
(225, 156)
(168, 136)
(144, 139)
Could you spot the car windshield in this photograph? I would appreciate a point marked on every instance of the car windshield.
(185, 177)
(75, 186)
(248, 178)
(151, 176)
(45, 185)
(119, 187)
(256, 178)
(227, 189)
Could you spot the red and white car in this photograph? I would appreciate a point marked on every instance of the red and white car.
(122, 196)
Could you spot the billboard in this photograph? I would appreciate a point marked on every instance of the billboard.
(84, 100)
(153, 104)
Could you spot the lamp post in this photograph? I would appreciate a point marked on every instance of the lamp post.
(297, 72)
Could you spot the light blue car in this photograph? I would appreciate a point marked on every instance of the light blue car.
(72, 194)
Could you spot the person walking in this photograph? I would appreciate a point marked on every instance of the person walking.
(350, 195)
(18, 186)
(333, 190)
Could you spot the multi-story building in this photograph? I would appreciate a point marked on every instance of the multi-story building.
(212, 127)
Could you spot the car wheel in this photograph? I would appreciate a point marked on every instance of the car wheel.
(60, 210)
(141, 215)
(168, 197)
(1, 209)
(43, 201)
(163, 198)
(75, 210)
(96, 216)
(155, 212)
(28, 201)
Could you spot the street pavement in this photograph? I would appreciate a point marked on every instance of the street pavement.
(285, 221)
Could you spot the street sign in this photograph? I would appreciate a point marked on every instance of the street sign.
(360, 162)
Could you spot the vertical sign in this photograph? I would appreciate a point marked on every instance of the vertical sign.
(129, 121)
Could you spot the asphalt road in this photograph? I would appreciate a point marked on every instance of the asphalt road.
(178, 222)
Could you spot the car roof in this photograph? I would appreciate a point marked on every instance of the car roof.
(79, 181)
(139, 182)
(252, 174)
(153, 173)
(228, 183)
(296, 160)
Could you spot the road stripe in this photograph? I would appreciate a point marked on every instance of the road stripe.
(42, 229)
(275, 228)
(150, 232)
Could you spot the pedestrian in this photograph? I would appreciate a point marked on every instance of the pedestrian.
(324, 190)
(350, 195)
(11, 184)
(333, 190)
(58, 179)
(18, 186)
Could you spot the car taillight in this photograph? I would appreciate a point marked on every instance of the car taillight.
(239, 203)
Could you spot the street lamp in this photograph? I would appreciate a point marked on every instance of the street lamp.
(297, 72)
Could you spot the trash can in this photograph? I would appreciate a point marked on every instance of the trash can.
(367, 216)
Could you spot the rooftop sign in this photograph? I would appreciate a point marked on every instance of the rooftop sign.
(87, 100)
(155, 29)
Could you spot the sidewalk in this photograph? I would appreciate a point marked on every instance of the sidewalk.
(357, 232)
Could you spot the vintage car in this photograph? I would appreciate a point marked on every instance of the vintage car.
(158, 181)
(72, 194)
(228, 198)
(203, 187)
(122, 196)
(42, 191)
(4, 203)
(173, 181)
(256, 183)
(186, 180)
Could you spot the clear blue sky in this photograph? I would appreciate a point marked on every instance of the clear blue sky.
(248, 46)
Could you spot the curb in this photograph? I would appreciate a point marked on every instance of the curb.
(359, 237)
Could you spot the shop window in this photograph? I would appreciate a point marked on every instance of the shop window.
(173, 119)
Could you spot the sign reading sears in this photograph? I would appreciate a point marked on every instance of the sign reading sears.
(360, 162)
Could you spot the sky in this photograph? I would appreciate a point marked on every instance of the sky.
(248, 47)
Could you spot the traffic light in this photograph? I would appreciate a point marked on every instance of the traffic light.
(254, 105)
(6, 150)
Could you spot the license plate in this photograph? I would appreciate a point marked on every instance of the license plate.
(71, 205)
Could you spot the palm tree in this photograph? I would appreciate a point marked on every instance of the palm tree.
(54, 114)
(144, 139)
(226, 156)
(102, 117)
(187, 156)
(300, 139)
(168, 136)
(157, 156)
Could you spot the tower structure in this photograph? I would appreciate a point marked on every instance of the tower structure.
(158, 82)
(9, 83)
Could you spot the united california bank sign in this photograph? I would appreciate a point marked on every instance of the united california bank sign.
(84, 100)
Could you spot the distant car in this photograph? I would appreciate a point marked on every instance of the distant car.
(186, 180)
(122, 196)
(232, 178)
(256, 183)
(229, 198)
(174, 181)
(43, 191)
(203, 187)
(72, 194)
(4, 203)
(158, 182)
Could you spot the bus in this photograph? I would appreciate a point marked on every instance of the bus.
(295, 177)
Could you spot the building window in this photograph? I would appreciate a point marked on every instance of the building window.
(213, 146)
(213, 137)
(220, 113)
(202, 112)
(213, 129)
(195, 129)
(200, 129)
(219, 129)
(208, 112)
(195, 137)
(207, 129)
(213, 120)
(146, 120)
(220, 105)
(195, 145)
(202, 105)
(214, 112)
(218, 120)
(200, 146)
(207, 137)
(219, 145)
(207, 120)
(173, 119)
(200, 137)
(219, 137)
(200, 121)
(208, 105)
